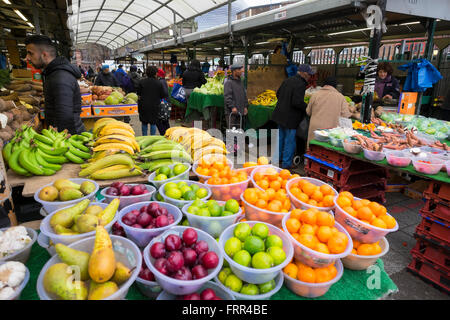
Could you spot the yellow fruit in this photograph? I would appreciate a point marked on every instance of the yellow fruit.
(102, 263)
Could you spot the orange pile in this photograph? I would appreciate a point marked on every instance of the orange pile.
(207, 166)
(262, 161)
(315, 229)
(365, 210)
(366, 249)
(227, 176)
(304, 273)
(311, 194)
(269, 178)
(271, 200)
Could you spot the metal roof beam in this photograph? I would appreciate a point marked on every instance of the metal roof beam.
(118, 23)
(96, 17)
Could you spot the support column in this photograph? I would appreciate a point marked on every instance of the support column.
(245, 43)
(36, 23)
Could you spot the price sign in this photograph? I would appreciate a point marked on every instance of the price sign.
(345, 123)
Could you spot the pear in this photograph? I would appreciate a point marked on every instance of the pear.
(122, 273)
(102, 263)
(49, 193)
(74, 228)
(58, 280)
(62, 231)
(64, 217)
(108, 214)
(94, 210)
(100, 291)
(73, 258)
(87, 187)
(67, 194)
(66, 183)
(87, 223)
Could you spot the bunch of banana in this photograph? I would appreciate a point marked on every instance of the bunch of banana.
(267, 98)
(196, 142)
(30, 153)
(157, 151)
(114, 136)
(111, 167)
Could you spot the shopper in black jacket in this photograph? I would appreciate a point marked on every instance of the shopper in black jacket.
(106, 78)
(61, 89)
(193, 78)
(289, 112)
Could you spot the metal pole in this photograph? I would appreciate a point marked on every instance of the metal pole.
(37, 25)
(245, 40)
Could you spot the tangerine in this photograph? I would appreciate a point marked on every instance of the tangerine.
(377, 222)
(285, 174)
(292, 225)
(343, 202)
(309, 188)
(350, 211)
(262, 161)
(276, 185)
(317, 195)
(306, 274)
(312, 202)
(357, 204)
(261, 203)
(308, 240)
(322, 248)
(389, 220)
(326, 190)
(336, 244)
(291, 270)
(306, 229)
(328, 201)
(303, 197)
(250, 195)
(365, 249)
(347, 195)
(324, 233)
(324, 219)
(296, 236)
(309, 216)
(296, 213)
(322, 275)
(364, 213)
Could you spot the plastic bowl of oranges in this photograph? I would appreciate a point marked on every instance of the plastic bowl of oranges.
(250, 166)
(365, 221)
(317, 238)
(271, 177)
(311, 282)
(308, 193)
(268, 206)
(365, 254)
(210, 164)
(228, 184)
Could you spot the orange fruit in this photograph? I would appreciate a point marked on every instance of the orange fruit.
(306, 274)
(365, 249)
(296, 236)
(250, 195)
(283, 184)
(296, 192)
(382, 211)
(324, 219)
(364, 213)
(303, 197)
(261, 203)
(263, 184)
(324, 233)
(284, 174)
(336, 244)
(389, 220)
(376, 248)
(334, 230)
(346, 194)
(262, 161)
(309, 216)
(291, 270)
(317, 195)
(312, 202)
(308, 240)
(294, 176)
(322, 275)
(365, 202)
(309, 188)
(326, 190)
(296, 213)
(275, 185)
(328, 201)
(333, 271)
(287, 204)
(218, 165)
(356, 244)
(350, 211)
(263, 195)
(292, 225)
(257, 176)
(300, 183)
(270, 193)
(274, 206)
(306, 229)
(378, 223)
(354, 251)
(375, 207)
(322, 248)
(343, 202)
(234, 180)
(357, 204)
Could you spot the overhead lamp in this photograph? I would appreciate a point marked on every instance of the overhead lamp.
(348, 31)
(7, 1)
(30, 24)
(409, 23)
(20, 15)
(264, 42)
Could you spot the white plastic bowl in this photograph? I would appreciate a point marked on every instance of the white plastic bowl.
(219, 290)
(373, 155)
(398, 158)
(313, 258)
(253, 213)
(359, 230)
(357, 262)
(447, 167)
(44, 242)
(214, 226)
(321, 137)
(181, 176)
(125, 251)
(48, 231)
(129, 200)
(302, 205)
(248, 171)
(265, 296)
(51, 206)
(19, 288)
(181, 203)
(313, 290)
(141, 237)
(351, 147)
(182, 287)
(261, 169)
(224, 192)
(433, 167)
(23, 254)
(203, 178)
(252, 275)
(149, 289)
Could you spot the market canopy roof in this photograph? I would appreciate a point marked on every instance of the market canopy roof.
(115, 23)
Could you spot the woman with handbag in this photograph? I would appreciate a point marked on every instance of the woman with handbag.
(150, 92)
(163, 117)
(325, 108)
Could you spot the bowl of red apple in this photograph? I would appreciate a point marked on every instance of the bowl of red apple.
(209, 291)
(183, 259)
(143, 221)
(146, 282)
(128, 194)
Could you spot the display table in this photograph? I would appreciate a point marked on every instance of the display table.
(352, 285)
(206, 106)
(258, 115)
(175, 102)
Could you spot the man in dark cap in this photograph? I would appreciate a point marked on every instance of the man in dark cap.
(289, 112)
(235, 96)
(106, 78)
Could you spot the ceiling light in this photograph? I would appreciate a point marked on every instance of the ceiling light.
(30, 24)
(7, 1)
(264, 42)
(409, 23)
(20, 15)
(348, 31)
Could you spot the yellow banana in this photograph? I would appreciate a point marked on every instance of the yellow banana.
(115, 146)
(99, 124)
(118, 138)
(116, 131)
(113, 168)
(116, 125)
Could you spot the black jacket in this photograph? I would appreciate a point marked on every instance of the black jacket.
(235, 95)
(150, 92)
(391, 88)
(193, 79)
(62, 96)
(107, 80)
(135, 78)
(291, 106)
(165, 87)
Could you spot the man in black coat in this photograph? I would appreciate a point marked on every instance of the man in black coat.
(61, 89)
(106, 78)
(289, 112)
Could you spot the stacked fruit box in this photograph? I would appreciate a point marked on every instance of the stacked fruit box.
(431, 255)
(344, 173)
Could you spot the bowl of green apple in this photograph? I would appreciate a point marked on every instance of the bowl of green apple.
(164, 174)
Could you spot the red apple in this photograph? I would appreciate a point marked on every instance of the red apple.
(152, 208)
(111, 191)
(189, 236)
(157, 250)
(190, 256)
(172, 242)
(208, 294)
(125, 191)
(144, 219)
(117, 185)
(192, 296)
(175, 261)
(199, 272)
(137, 226)
(135, 212)
(210, 260)
(129, 219)
(162, 221)
(183, 274)
(201, 246)
(143, 209)
(161, 265)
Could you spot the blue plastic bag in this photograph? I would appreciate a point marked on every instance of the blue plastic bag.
(178, 93)
(421, 75)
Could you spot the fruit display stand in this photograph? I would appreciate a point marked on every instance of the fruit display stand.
(207, 105)
(258, 115)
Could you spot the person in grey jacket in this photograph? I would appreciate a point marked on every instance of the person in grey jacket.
(235, 96)
(135, 77)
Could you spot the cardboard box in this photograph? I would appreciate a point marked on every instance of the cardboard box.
(21, 73)
(125, 110)
(86, 111)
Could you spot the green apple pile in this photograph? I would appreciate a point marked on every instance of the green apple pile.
(213, 209)
(165, 172)
(182, 191)
(254, 247)
(232, 282)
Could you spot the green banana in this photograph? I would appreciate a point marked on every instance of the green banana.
(162, 147)
(79, 153)
(173, 154)
(57, 143)
(165, 141)
(107, 162)
(41, 161)
(52, 159)
(78, 144)
(50, 150)
(84, 165)
(15, 165)
(49, 134)
(154, 165)
(81, 138)
(73, 158)
(88, 135)
(117, 174)
(7, 151)
(148, 140)
(27, 163)
(43, 139)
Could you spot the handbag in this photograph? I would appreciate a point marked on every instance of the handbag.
(178, 93)
(303, 128)
(164, 110)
